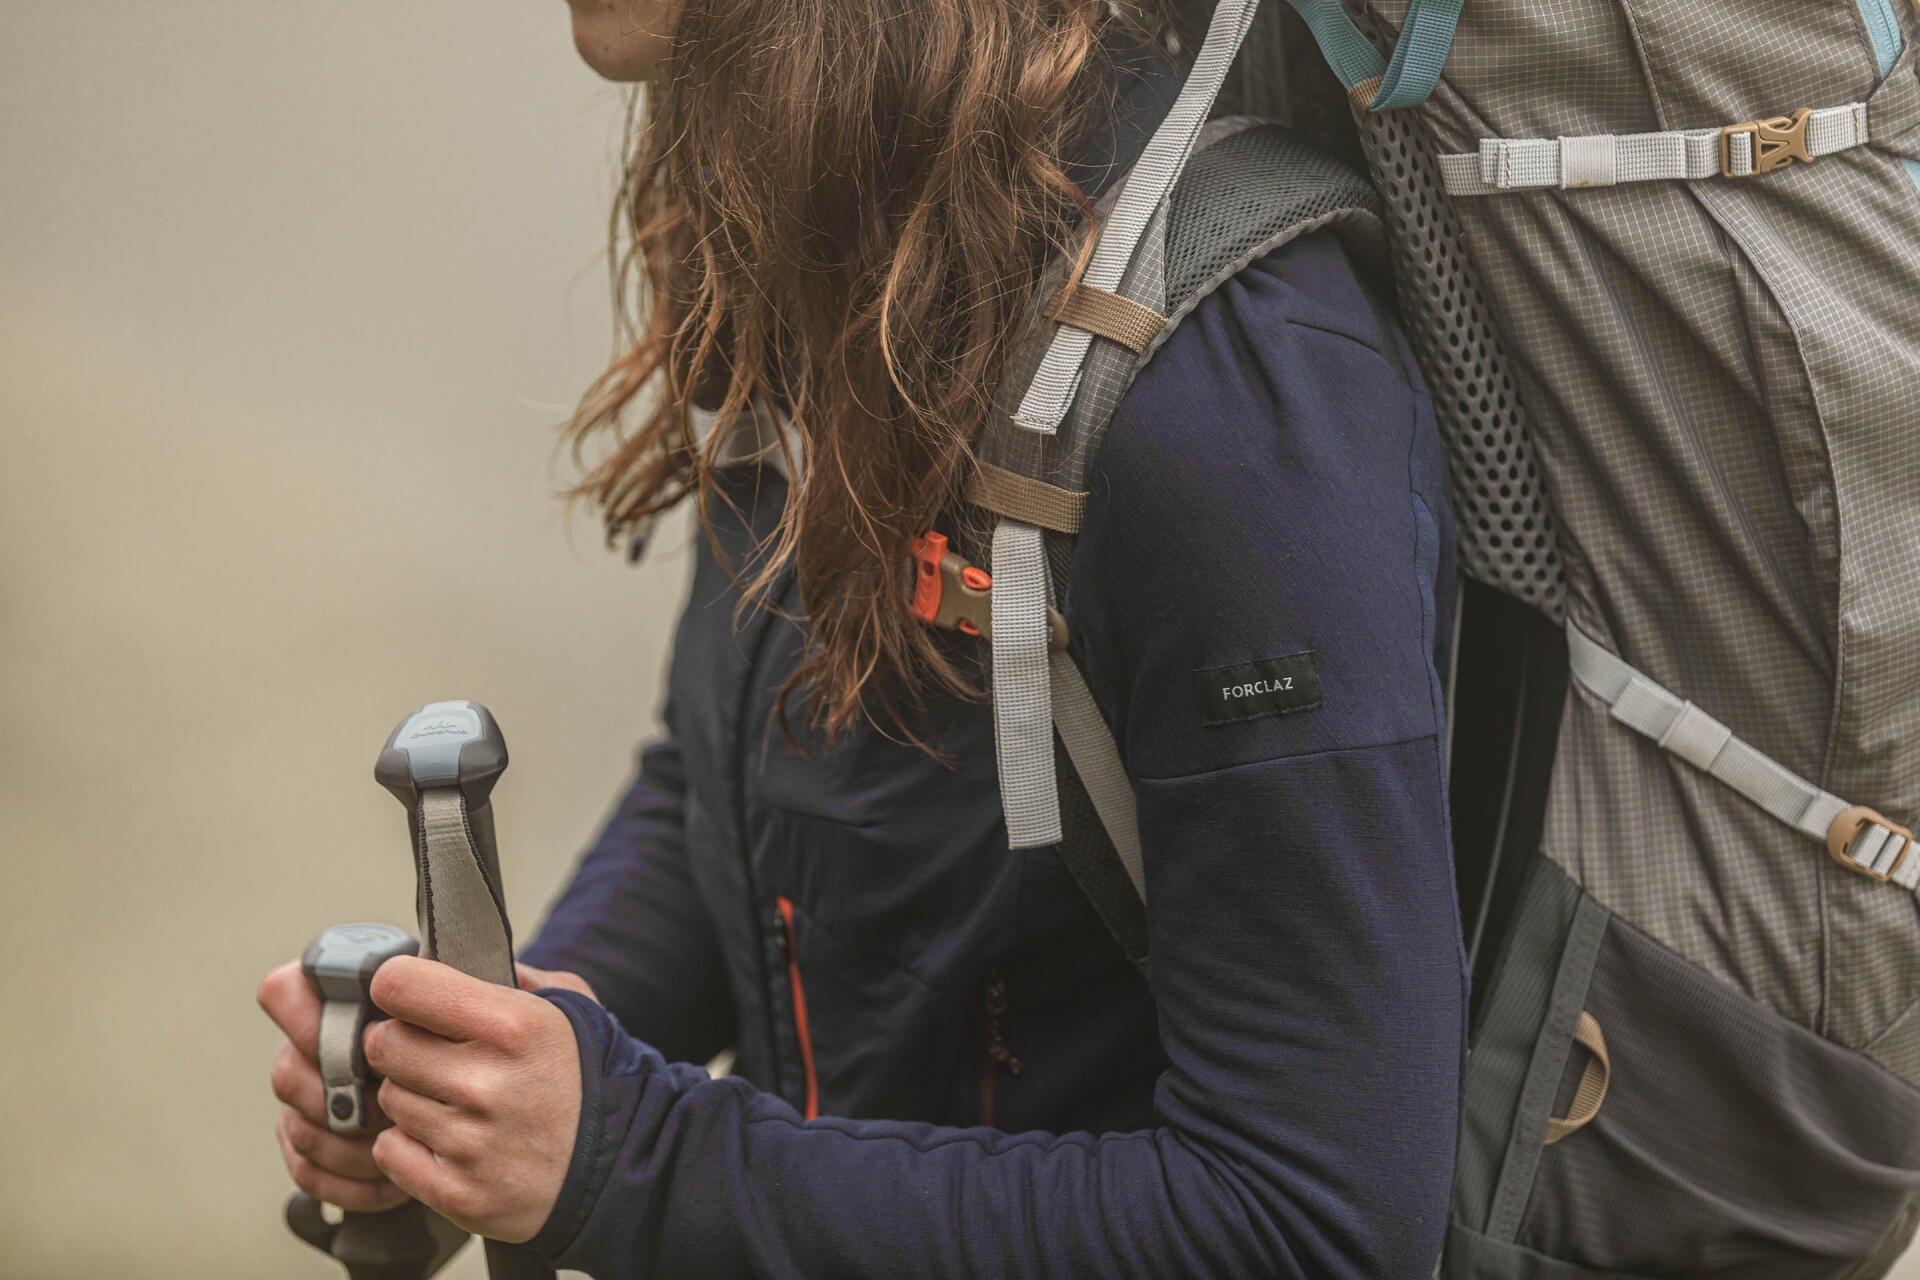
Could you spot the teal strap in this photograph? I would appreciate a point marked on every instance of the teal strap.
(1883, 28)
(1350, 54)
(1418, 56)
(1425, 40)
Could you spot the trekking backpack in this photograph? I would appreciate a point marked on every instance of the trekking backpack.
(1660, 262)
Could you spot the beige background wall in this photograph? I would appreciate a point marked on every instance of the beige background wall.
(291, 295)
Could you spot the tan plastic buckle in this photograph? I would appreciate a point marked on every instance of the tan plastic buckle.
(949, 592)
(1777, 142)
(1846, 828)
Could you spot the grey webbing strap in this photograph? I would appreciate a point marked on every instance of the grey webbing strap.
(1870, 845)
(1051, 392)
(340, 1025)
(1022, 700)
(1096, 758)
(460, 921)
(1605, 160)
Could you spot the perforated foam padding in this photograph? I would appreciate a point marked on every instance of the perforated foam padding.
(1506, 530)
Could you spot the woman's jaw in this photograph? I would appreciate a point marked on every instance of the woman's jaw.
(622, 39)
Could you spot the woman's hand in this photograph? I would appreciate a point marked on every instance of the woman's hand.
(483, 1088)
(337, 1168)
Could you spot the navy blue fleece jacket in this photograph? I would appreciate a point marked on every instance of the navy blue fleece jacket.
(998, 1092)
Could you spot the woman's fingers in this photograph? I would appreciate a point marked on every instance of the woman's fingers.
(439, 998)
(360, 1195)
(296, 1082)
(292, 1004)
(431, 1123)
(417, 1060)
(413, 1168)
(349, 1155)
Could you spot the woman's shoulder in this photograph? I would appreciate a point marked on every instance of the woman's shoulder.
(1291, 378)
(1271, 485)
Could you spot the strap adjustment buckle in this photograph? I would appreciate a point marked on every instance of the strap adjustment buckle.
(1776, 142)
(1863, 841)
(950, 592)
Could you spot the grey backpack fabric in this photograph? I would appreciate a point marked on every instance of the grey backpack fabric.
(1660, 260)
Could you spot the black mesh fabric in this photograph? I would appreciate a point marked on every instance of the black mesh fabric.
(1247, 193)
(1506, 530)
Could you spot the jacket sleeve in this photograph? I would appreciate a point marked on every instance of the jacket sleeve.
(1268, 490)
(630, 923)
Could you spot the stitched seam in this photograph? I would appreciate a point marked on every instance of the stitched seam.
(1297, 755)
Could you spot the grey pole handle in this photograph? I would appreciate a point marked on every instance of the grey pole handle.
(441, 763)
(410, 1242)
(339, 965)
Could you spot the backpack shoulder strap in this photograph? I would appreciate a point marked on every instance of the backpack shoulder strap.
(1250, 189)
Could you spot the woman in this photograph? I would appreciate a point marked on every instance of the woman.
(945, 1065)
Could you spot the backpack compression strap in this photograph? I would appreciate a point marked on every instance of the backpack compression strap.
(1858, 838)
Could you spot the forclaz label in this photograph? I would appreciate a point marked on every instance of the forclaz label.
(1266, 687)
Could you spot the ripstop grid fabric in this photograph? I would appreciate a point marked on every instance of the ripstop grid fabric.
(1713, 373)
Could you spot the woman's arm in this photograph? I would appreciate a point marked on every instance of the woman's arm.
(631, 924)
(1271, 488)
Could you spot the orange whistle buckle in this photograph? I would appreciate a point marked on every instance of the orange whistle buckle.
(948, 592)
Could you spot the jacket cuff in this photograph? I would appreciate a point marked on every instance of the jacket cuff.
(600, 1038)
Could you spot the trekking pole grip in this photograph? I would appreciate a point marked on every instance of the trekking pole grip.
(409, 1242)
(441, 763)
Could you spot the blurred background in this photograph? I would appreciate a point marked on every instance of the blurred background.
(291, 299)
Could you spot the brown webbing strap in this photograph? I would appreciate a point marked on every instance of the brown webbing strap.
(1129, 323)
(1023, 498)
(1363, 94)
(1592, 1090)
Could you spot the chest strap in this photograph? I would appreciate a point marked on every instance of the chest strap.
(1603, 160)
(1857, 837)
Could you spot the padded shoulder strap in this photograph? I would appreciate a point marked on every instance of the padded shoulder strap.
(1250, 189)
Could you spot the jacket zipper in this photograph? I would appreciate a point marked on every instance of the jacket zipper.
(997, 1055)
(800, 1009)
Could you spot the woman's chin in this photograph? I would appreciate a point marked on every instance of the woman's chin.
(619, 39)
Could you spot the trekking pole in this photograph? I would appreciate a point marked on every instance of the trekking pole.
(441, 763)
(410, 1242)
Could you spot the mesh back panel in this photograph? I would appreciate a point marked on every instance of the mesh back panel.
(1506, 530)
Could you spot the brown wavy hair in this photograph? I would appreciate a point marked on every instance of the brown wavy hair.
(840, 209)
